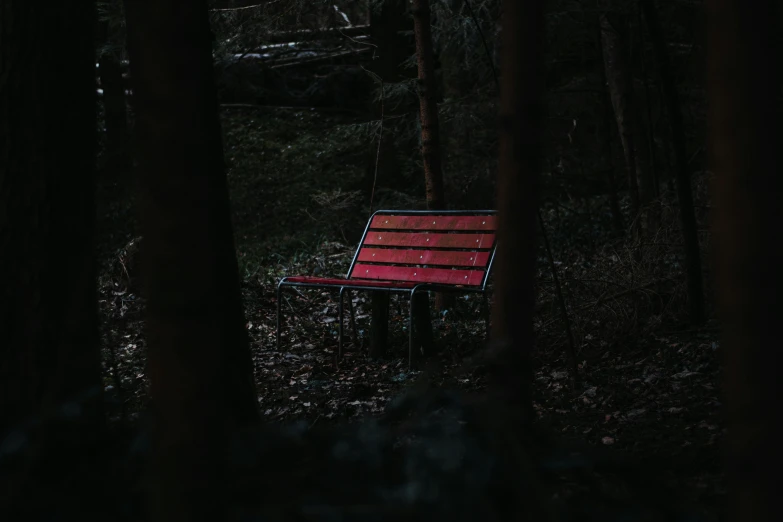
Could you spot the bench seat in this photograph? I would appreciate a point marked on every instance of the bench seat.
(336, 282)
(412, 251)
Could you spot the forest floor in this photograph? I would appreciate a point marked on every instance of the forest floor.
(648, 385)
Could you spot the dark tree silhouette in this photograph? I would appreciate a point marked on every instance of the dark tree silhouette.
(48, 313)
(50, 383)
(431, 154)
(606, 136)
(744, 87)
(199, 360)
(684, 191)
(428, 106)
(617, 67)
(521, 119)
(387, 23)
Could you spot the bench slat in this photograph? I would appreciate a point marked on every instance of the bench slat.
(427, 240)
(419, 275)
(478, 223)
(334, 281)
(424, 257)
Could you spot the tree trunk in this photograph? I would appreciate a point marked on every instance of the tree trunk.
(521, 121)
(684, 192)
(744, 87)
(199, 360)
(430, 127)
(617, 70)
(430, 144)
(387, 23)
(606, 128)
(49, 354)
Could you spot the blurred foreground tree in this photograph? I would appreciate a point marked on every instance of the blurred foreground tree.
(49, 357)
(745, 139)
(521, 122)
(199, 359)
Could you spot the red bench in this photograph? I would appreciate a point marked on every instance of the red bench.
(413, 251)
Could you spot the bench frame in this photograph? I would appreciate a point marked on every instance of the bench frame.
(411, 291)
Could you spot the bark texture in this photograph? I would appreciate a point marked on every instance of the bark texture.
(431, 155)
(428, 106)
(744, 87)
(199, 359)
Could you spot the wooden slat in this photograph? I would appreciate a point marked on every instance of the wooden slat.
(419, 275)
(442, 223)
(427, 240)
(424, 257)
(334, 281)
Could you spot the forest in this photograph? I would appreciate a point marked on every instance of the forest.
(193, 193)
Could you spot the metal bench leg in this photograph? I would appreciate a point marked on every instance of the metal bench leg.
(340, 326)
(353, 321)
(487, 315)
(410, 331)
(279, 308)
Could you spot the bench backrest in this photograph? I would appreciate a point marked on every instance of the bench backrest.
(439, 247)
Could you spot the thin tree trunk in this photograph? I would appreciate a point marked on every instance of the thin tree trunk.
(619, 81)
(645, 172)
(49, 354)
(606, 127)
(199, 360)
(430, 127)
(430, 145)
(387, 23)
(744, 86)
(684, 191)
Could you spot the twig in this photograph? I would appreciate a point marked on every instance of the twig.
(239, 8)
(354, 40)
